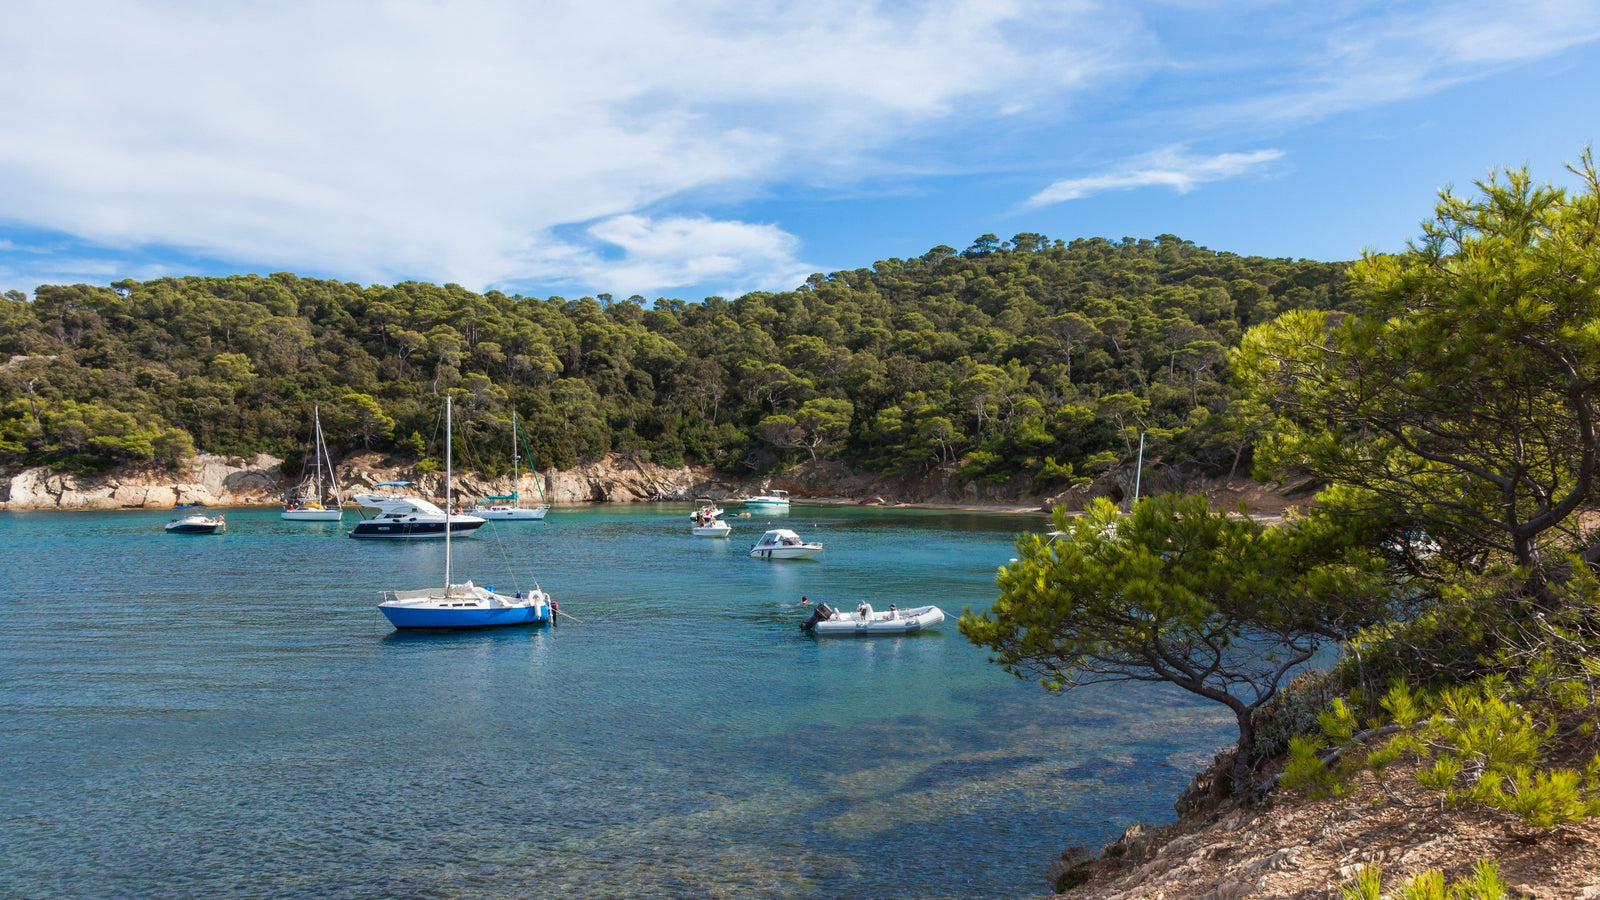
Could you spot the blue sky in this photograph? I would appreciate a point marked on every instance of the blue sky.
(719, 146)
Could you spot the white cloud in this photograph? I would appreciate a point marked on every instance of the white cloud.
(452, 140)
(513, 142)
(1169, 167)
(734, 257)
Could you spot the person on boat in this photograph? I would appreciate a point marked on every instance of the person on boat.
(893, 613)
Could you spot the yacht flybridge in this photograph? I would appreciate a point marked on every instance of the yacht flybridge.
(407, 516)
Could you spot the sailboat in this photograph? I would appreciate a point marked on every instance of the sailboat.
(496, 506)
(464, 605)
(311, 509)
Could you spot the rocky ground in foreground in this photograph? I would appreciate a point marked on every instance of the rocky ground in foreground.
(1288, 846)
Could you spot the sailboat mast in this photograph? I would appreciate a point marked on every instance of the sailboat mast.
(447, 441)
(316, 440)
(516, 479)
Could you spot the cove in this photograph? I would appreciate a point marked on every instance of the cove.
(231, 716)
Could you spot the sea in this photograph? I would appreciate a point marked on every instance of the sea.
(231, 716)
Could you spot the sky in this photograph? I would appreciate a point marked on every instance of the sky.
(714, 147)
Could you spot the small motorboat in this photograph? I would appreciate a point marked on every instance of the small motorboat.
(864, 621)
(705, 506)
(710, 526)
(771, 499)
(196, 523)
(781, 543)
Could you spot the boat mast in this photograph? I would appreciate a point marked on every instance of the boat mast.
(516, 481)
(316, 443)
(333, 477)
(447, 495)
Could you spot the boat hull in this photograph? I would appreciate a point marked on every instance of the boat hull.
(720, 530)
(513, 515)
(415, 617)
(312, 515)
(804, 551)
(195, 529)
(381, 529)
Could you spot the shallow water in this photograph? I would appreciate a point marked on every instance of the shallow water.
(231, 716)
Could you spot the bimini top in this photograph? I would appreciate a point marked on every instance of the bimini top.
(394, 484)
(781, 536)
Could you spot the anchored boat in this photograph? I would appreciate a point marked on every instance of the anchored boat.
(196, 523)
(496, 506)
(781, 543)
(865, 622)
(405, 516)
(769, 500)
(462, 605)
(311, 507)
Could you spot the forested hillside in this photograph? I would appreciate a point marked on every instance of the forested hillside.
(1028, 357)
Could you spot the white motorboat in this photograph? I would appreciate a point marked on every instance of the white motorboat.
(781, 543)
(496, 507)
(196, 523)
(311, 507)
(705, 507)
(771, 499)
(405, 516)
(710, 527)
(462, 605)
(865, 621)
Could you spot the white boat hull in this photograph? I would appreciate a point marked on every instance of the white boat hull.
(905, 621)
(312, 515)
(718, 530)
(803, 551)
(511, 513)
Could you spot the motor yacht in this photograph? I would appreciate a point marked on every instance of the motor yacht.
(402, 516)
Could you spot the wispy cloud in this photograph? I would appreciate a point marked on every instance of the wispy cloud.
(1169, 167)
(1358, 55)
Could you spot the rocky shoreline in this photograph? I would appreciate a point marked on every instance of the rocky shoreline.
(209, 480)
(1290, 846)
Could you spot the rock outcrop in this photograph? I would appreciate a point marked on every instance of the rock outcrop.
(207, 480)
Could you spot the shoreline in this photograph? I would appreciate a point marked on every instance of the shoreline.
(998, 509)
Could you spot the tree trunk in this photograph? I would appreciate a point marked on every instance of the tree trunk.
(1242, 775)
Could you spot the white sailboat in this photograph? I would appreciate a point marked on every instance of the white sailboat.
(496, 507)
(312, 508)
(464, 605)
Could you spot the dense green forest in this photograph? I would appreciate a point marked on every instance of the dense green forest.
(1027, 358)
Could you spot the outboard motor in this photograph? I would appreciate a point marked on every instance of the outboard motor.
(821, 614)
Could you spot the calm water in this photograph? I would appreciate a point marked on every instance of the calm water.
(231, 716)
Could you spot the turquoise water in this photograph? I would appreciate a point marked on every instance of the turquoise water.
(231, 716)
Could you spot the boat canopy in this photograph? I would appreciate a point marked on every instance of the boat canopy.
(393, 484)
(510, 496)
